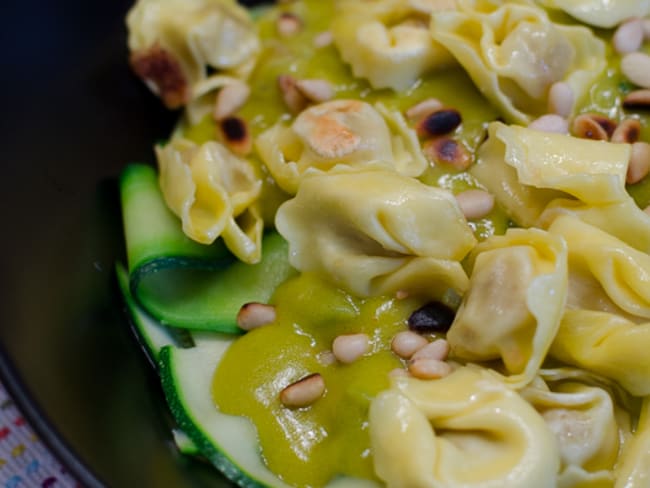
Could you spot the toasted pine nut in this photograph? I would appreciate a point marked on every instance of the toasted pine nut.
(637, 99)
(647, 210)
(445, 150)
(230, 99)
(288, 24)
(406, 343)
(253, 315)
(475, 204)
(349, 348)
(303, 392)
(639, 166)
(628, 131)
(234, 131)
(438, 349)
(438, 123)
(293, 98)
(323, 39)
(316, 90)
(628, 36)
(561, 99)
(429, 369)
(550, 123)
(587, 127)
(636, 68)
(423, 108)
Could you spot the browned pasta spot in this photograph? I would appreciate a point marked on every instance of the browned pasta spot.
(160, 70)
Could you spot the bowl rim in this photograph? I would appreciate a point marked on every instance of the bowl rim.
(42, 426)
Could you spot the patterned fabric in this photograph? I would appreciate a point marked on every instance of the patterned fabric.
(24, 460)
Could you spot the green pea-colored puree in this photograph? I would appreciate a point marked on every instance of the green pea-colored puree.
(308, 446)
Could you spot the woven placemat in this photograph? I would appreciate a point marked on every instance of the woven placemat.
(24, 460)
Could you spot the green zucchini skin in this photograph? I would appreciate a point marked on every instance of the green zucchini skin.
(182, 283)
(151, 334)
(229, 442)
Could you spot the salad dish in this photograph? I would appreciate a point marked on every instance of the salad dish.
(398, 243)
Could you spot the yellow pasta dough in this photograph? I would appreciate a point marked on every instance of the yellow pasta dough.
(340, 135)
(187, 38)
(406, 236)
(465, 430)
(214, 193)
(516, 296)
(388, 41)
(513, 52)
(600, 13)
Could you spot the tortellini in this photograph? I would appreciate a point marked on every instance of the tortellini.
(600, 13)
(583, 419)
(514, 53)
(214, 193)
(466, 430)
(515, 300)
(376, 232)
(607, 344)
(388, 41)
(623, 272)
(340, 135)
(549, 166)
(173, 43)
(634, 468)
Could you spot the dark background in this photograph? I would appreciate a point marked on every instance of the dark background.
(72, 116)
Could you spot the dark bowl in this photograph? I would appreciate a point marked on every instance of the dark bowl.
(73, 116)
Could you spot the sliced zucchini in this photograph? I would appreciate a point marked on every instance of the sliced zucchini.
(182, 283)
(227, 441)
(152, 335)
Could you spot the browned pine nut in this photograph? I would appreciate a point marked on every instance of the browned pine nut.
(438, 349)
(445, 150)
(440, 122)
(475, 204)
(429, 369)
(348, 348)
(316, 90)
(550, 123)
(647, 210)
(293, 98)
(639, 166)
(422, 109)
(406, 343)
(628, 36)
(587, 127)
(235, 133)
(303, 392)
(639, 99)
(628, 131)
(230, 99)
(561, 99)
(288, 24)
(636, 68)
(253, 315)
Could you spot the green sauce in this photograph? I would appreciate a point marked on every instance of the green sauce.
(311, 445)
